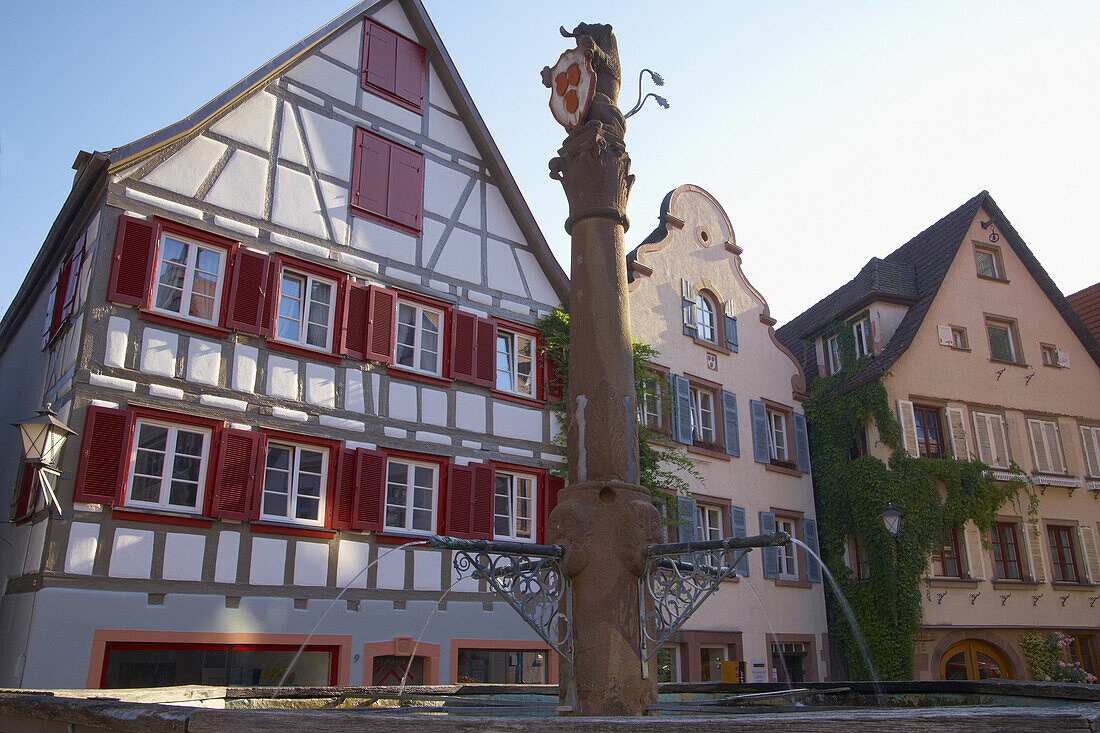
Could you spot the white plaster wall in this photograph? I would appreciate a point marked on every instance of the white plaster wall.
(204, 361)
(250, 123)
(244, 367)
(403, 401)
(118, 337)
(461, 257)
(433, 406)
(470, 411)
(185, 171)
(294, 203)
(80, 553)
(427, 569)
(353, 390)
(183, 556)
(268, 561)
(131, 554)
(512, 421)
(351, 558)
(282, 377)
(241, 185)
(320, 385)
(159, 350)
(310, 563)
(391, 568)
(225, 566)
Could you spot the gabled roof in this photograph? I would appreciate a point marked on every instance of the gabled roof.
(99, 165)
(927, 256)
(1087, 304)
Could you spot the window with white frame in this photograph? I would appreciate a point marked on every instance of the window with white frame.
(702, 415)
(168, 466)
(189, 279)
(777, 435)
(411, 496)
(708, 526)
(706, 325)
(515, 362)
(294, 483)
(650, 407)
(1003, 340)
(419, 334)
(832, 354)
(788, 559)
(1046, 446)
(988, 261)
(1090, 436)
(861, 329)
(514, 507)
(305, 310)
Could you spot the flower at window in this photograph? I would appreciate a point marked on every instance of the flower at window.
(418, 335)
(514, 507)
(515, 363)
(702, 416)
(705, 325)
(305, 310)
(169, 466)
(294, 483)
(189, 278)
(410, 496)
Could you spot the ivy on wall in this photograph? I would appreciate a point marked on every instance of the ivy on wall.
(934, 495)
(664, 469)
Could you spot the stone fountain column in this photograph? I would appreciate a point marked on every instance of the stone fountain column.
(604, 517)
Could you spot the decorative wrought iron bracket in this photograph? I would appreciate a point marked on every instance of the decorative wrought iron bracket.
(678, 577)
(531, 578)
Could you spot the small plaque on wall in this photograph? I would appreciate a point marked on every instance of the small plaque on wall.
(712, 361)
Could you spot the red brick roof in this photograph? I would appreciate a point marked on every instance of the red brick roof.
(1087, 305)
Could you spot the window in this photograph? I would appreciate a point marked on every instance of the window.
(139, 664)
(862, 331)
(503, 666)
(393, 67)
(958, 338)
(294, 483)
(419, 335)
(410, 496)
(515, 363)
(989, 431)
(708, 523)
(387, 181)
(1046, 446)
(929, 432)
(788, 558)
(975, 660)
(1005, 550)
(859, 560)
(710, 660)
(945, 557)
(304, 316)
(1083, 652)
(189, 279)
(668, 667)
(514, 507)
(1050, 357)
(1090, 436)
(859, 445)
(832, 354)
(1003, 341)
(168, 466)
(777, 436)
(651, 402)
(702, 416)
(988, 260)
(1063, 555)
(706, 324)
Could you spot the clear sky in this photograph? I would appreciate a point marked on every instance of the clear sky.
(830, 131)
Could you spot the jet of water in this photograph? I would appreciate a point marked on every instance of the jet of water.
(782, 656)
(412, 655)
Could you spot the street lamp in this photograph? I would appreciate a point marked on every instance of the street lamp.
(43, 437)
(892, 519)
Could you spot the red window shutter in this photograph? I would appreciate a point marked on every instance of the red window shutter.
(485, 353)
(104, 455)
(24, 490)
(405, 194)
(236, 484)
(554, 484)
(382, 327)
(344, 500)
(484, 478)
(370, 176)
(379, 56)
(251, 272)
(271, 295)
(356, 318)
(463, 343)
(460, 502)
(132, 264)
(370, 471)
(409, 83)
(60, 297)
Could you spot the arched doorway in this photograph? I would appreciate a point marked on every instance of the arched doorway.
(972, 659)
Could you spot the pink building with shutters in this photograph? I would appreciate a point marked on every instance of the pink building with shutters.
(293, 331)
(725, 391)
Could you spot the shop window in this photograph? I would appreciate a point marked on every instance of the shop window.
(975, 660)
(128, 665)
(789, 662)
(503, 666)
(168, 466)
(391, 669)
(711, 658)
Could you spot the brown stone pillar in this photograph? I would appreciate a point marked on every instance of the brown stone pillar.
(604, 518)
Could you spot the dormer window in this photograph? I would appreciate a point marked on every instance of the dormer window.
(832, 354)
(861, 329)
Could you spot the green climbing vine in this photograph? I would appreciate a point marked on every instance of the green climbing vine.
(664, 469)
(851, 491)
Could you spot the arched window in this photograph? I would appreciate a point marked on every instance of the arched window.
(704, 311)
(975, 660)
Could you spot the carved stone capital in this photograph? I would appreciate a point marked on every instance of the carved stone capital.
(594, 170)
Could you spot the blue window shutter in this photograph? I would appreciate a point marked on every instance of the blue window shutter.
(686, 506)
(801, 443)
(687, 294)
(681, 410)
(729, 420)
(771, 554)
(760, 452)
(740, 529)
(813, 569)
(730, 326)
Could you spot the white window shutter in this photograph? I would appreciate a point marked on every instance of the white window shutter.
(975, 559)
(1091, 552)
(957, 422)
(983, 437)
(1000, 441)
(1054, 447)
(1091, 439)
(945, 336)
(1034, 542)
(1061, 357)
(1038, 446)
(908, 422)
